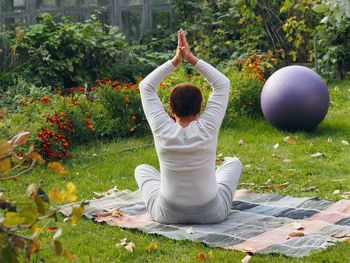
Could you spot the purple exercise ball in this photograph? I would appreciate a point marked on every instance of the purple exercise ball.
(295, 98)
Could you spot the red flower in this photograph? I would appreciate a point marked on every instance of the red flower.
(93, 89)
(87, 113)
(81, 89)
(91, 126)
(87, 121)
(45, 100)
(19, 154)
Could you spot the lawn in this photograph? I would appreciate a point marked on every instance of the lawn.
(287, 169)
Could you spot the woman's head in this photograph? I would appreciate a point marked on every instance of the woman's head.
(185, 100)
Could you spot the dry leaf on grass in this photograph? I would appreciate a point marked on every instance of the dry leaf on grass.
(317, 155)
(290, 139)
(344, 142)
(151, 246)
(129, 246)
(276, 146)
(201, 256)
(336, 192)
(116, 213)
(241, 142)
(246, 259)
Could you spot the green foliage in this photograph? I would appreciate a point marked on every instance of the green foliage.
(24, 217)
(64, 53)
(334, 35)
(20, 92)
(123, 104)
(245, 96)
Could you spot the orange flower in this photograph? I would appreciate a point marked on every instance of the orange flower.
(45, 100)
(62, 113)
(132, 129)
(91, 126)
(87, 113)
(70, 105)
(76, 103)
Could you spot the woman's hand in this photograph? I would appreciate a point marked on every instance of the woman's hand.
(185, 49)
(178, 56)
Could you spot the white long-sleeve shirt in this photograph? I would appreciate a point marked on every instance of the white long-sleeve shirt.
(186, 155)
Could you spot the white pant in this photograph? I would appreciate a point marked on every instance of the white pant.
(216, 210)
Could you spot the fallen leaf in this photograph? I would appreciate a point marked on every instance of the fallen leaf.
(52, 228)
(77, 213)
(339, 235)
(344, 142)
(317, 155)
(329, 140)
(281, 186)
(246, 259)
(201, 256)
(37, 157)
(56, 167)
(190, 231)
(150, 246)
(98, 195)
(122, 242)
(241, 142)
(336, 192)
(290, 139)
(130, 246)
(295, 234)
(345, 196)
(210, 254)
(298, 226)
(287, 161)
(310, 189)
(276, 146)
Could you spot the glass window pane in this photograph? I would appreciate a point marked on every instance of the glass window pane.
(13, 5)
(131, 2)
(71, 3)
(12, 22)
(161, 18)
(41, 4)
(161, 2)
(131, 23)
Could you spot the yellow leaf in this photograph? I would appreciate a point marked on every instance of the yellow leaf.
(12, 219)
(130, 246)
(56, 167)
(56, 196)
(5, 149)
(290, 139)
(77, 213)
(151, 246)
(70, 187)
(37, 157)
(29, 214)
(39, 204)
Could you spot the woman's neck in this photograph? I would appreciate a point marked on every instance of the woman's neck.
(185, 121)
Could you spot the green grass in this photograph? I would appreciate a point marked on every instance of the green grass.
(100, 166)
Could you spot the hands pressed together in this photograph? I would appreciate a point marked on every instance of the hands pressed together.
(183, 50)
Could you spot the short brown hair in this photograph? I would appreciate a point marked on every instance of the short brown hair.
(185, 100)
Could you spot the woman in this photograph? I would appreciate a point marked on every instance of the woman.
(187, 189)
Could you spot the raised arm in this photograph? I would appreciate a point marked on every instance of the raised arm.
(152, 106)
(217, 102)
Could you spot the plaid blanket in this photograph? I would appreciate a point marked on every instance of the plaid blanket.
(257, 223)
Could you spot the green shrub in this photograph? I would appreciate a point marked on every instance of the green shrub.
(245, 96)
(123, 103)
(64, 53)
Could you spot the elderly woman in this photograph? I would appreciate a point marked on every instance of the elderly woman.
(188, 189)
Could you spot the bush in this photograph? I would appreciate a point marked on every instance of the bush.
(64, 53)
(123, 104)
(245, 96)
